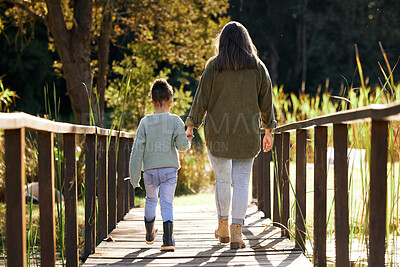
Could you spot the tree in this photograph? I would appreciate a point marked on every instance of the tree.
(177, 44)
(82, 28)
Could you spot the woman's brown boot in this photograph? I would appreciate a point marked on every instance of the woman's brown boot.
(222, 232)
(236, 237)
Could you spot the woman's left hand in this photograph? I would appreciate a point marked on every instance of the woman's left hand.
(268, 140)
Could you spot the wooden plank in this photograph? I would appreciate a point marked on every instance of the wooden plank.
(14, 142)
(196, 244)
(102, 195)
(340, 133)
(285, 182)
(378, 190)
(320, 185)
(120, 180)
(266, 177)
(277, 180)
(291, 259)
(301, 169)
(46, 198)
(112, 184)
(90, 195)
(215, 251)
(70, 201)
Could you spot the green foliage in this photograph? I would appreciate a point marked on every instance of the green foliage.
(182, 31)
(174, 39)
(141, 69)
(195, 173)
(7, 98)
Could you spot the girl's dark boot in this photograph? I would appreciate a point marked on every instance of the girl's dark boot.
(151, 233)
(168, 238)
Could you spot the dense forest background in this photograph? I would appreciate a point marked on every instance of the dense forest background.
(306, 45)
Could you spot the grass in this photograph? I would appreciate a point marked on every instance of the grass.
(32, 216)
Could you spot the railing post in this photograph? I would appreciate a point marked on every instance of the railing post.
(46, 198)
(277, 180)
(112, 182)
(131, 189)
(90, 195)
(15, 182)
(320, 185)
(341, 194)
(70, 201)
(285, 182)
(120, 180)
(254, 181)
(258, 176)
(378, 190)
(301, 168)
(266, 178)
(102, 187)
(126, 174)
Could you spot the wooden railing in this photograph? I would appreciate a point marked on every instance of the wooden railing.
(380, 117)
(114, 195)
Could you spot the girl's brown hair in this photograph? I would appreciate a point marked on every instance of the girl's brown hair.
(161, 92)
(235, 49)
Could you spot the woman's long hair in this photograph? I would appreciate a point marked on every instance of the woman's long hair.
(235, 49)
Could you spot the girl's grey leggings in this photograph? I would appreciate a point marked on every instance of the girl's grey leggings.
(233, 173)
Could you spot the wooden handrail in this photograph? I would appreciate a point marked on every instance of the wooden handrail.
(373, 112)
(379, 115)
(18, 120)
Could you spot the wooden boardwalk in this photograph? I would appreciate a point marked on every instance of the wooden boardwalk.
(195, 243)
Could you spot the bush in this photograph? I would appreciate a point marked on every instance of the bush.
(195, 174)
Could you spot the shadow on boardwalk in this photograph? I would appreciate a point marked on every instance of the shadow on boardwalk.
(195, 243)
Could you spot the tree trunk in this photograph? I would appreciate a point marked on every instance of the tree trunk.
(73, 47)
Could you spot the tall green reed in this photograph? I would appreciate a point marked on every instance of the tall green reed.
(53, 112)
(32, 234)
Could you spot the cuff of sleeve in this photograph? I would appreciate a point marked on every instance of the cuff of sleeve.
(190, 123)
(270, 125)
(135, 183)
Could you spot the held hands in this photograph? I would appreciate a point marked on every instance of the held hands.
(189, 133)
(268, 140)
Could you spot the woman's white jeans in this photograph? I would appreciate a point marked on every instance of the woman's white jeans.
(233, 173)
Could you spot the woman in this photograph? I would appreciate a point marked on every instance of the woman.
(233, 93)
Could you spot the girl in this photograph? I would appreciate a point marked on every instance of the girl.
(154, 151)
